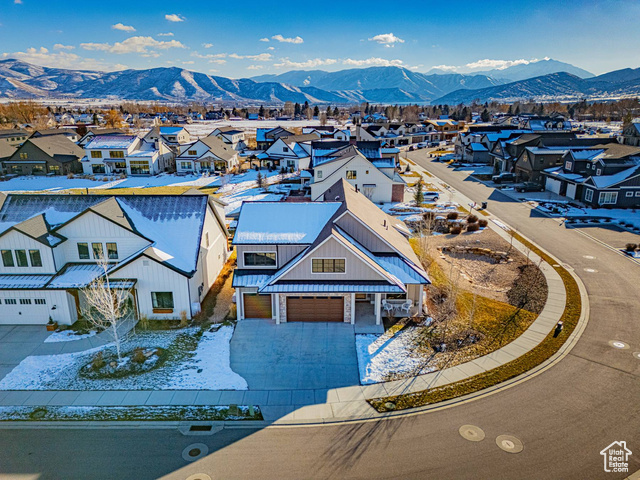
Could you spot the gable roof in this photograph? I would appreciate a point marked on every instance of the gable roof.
(54, 146)
(106, 142)
(218, 147)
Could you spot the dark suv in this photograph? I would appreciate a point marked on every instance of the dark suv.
(504, 177)
(529, 187)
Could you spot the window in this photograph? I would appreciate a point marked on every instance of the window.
(629, 194)
(260, 259)
(120, 164)
(116, 154)
(327, 265)
(193, 153)
(568, 165)
(139, 167)
(285, 149)
(37, 169)
(21, 258)
(7, 258)
(83, 251)
(112, 251)
(10, 301)
(36, 259)
(185, 166)
(25, 301)
(96, 154)
(598, 172)
(54, 168)
(319, 173)
(162, 300)
(351, 175)
(24, 156)
(396, 296)
(98, 168)
(608, 198)
(637, 194)
(97, 250)
(588, 195)
(40, 301)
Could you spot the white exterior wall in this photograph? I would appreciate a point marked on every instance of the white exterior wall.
(154, 277)
(18, 241)
(65, 312)
(93, 228)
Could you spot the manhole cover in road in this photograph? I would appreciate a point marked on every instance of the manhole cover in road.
(198, 476)
(471, 433)
(194, 452)
(591, 270)
(618, 344)
(589, 257)
(509, 443)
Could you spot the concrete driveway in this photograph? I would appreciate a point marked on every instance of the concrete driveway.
(297, 355)
(18, 342)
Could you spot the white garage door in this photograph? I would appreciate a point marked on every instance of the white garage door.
(553, 185)
(571, 190)
(24, 311)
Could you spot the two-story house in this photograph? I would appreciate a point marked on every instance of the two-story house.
(130, 154)
(266, 136)
(292, 152)
(631, 134)
(173, 137)
(13, 136)
(377, 179)
(230, 136)
(341, 260)
(166, 250)
(53, 154)
(209, 154)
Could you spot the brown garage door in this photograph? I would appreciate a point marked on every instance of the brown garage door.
(315, 309)
(257, 306)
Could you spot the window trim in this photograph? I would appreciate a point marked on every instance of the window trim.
(4, 258)
(33, 252)
(274, 252)
(612, 194)
(162, 309)
(86, 244)
(26, 258)
(629, 193)
(588, 195)
(329, 258)
(96, 154)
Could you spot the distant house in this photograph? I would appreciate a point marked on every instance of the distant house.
(342, 260)
(209, 154)
(53, 154)
(173, 137)
(13, 136)
(604, 176)
(631, 135)
(130, 154)
(66, 132)
(377, 179)
(328, 132)
(6, 151)
(292, 152)
(266, 136)
(231, 136)
(167, 250)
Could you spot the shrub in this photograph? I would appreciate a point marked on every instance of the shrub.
(138, 355)
(144, 322)
(184, 321)
(98, 363)
(452, 216)
(472, 219)
(473, 227)
(455, 230)
(631, 247)
(483, 223)
(69, 176)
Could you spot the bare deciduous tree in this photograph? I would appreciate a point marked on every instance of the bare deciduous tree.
(106, 307)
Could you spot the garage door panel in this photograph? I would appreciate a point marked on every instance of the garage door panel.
(257, 306)
(315, 309)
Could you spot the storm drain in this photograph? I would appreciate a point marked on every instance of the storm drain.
(200, 428)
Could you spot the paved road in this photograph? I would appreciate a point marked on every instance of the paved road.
(564, 416)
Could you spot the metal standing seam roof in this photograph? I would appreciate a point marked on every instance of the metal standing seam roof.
(251, 278)
(331, 287)
(18, 282)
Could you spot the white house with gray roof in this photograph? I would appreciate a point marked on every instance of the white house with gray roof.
(130, 154)
(166, 249)
(209, 154)
(342, 260)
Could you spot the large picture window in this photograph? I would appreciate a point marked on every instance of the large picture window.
(139, 167)
(608, 198)
(260, 259)
(116, 154)
(328, 265)
(162, 300)
(96, 154)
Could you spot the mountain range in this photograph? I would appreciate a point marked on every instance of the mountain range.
(539, 80)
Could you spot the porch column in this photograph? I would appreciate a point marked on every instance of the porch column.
(353, 309)
(420, 299)
(240, 303)
(277, 307)
(378, 304)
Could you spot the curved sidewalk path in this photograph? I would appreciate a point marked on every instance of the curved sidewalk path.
(294, 407)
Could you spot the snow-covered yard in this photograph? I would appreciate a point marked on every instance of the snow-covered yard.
(206, 367)
(68, 336)
(380, 356)
(563, 209)
(234, 200)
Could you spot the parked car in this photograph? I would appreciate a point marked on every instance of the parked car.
(504, 177)
(529, 187)
(431, 196)
(422, 144)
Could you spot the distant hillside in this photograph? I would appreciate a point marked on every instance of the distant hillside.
(535, 69)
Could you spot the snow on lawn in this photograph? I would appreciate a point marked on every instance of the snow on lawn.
(209, 368)
(389, 353)
(68, 336)
(234, 201)
(53, 183)
(61, 372)
(562, 208)
(247, 179)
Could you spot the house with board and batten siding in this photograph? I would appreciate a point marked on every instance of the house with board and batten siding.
(167, 250)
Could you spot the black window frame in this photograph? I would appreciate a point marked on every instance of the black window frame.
(272, 256)
(35, 258)
(115, 247)
(158, 303)
(328, 265)
(83, 256)
(7, 255)
(22, 261)
(93, 250)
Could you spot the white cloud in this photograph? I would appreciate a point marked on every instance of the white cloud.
(174, 17)
(213, 70)
(447, 68)
(265, 39)
(386, 39)
(219, 61)
(134, 45)
(189, 62)
(315, 62)
(59, 46)
(207, 45)
(261, 57)
(168, 34)
(487, 64)
(282, 39)
(254, 67)
(42, 56)
(124, 28)
(17, 2)
(373, 62)
(271, 48)
(209, 55)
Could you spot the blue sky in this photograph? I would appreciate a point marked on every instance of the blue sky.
(247, 38)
